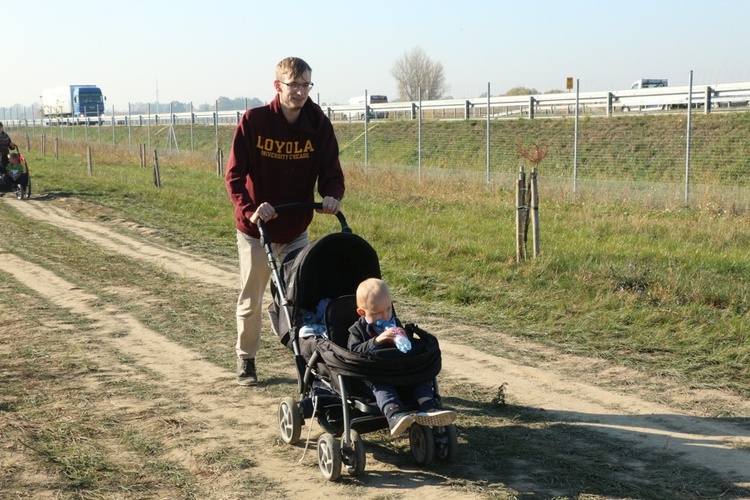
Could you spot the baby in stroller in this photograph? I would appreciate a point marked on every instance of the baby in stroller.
(15, 176)
(324, 277)
(374, 302)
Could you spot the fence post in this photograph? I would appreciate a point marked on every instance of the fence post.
(535, 212)
(192, 121)
(28, 143)
(687, 141)
(57, 148)
(531, 107)
(220, 163)
(157, 175)
(575, 141)
(520, 216)
(114, 140)
(487, 146)
(90, 165)
(216, 122)
(707, 107)
(44, 144)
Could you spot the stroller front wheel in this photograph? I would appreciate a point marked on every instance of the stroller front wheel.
(446, 442)
(329, 457)
(354, 454)
(290, 420)
(422, 443)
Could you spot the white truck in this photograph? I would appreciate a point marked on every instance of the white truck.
(359, 102)
(649, 83)
(73, 101)
(646, 83)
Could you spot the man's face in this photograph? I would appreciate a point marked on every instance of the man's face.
(14, 160)
(293, 98)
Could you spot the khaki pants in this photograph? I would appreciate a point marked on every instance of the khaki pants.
(254, 275)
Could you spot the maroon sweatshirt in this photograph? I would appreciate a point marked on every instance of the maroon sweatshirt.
(277, 162)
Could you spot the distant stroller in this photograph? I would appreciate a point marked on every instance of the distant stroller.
(323, 277)
(15, 178)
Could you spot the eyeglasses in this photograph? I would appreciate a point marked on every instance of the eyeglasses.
(298, 86)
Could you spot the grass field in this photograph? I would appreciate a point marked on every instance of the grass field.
(663, 289)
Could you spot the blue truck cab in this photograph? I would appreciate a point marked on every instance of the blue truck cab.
(87, 100)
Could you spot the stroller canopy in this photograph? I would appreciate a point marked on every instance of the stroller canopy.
(327, 268)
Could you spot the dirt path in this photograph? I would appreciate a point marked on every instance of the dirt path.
(574, 391)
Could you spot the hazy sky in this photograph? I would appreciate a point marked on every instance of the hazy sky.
(196, 51)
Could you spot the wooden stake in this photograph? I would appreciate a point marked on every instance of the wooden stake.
(219, 163)
(157, 175)
(520, 216)
(535, 212)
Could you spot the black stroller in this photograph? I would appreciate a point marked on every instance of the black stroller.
(17, 176)
(329, 376)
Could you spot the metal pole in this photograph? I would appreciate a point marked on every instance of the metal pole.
(192, 119)
(575, 143)
(113, 125)
(148, 124)
(130, 128)
(419, 137)
(687, 146)
(488, 132)
(216, 125)
(367, 123)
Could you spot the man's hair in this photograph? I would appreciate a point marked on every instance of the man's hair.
(292, 66)
(370, 289)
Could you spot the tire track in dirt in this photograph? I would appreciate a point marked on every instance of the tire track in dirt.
(175, 261)
(718, 445)
(650, 426)
(207, 387)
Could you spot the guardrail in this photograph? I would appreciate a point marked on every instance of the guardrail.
(730, 95)
(707, 96)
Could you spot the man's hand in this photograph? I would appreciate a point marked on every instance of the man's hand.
(264, 212)
(330, 206)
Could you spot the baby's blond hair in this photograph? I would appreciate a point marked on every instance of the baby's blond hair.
(371, 291)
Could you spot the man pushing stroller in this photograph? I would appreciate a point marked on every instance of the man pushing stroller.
(374, 306)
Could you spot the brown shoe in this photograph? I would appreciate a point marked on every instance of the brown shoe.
(246, 374)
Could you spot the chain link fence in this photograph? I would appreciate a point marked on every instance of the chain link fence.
(635, 157)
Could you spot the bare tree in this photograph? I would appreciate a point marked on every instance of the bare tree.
(414, 70)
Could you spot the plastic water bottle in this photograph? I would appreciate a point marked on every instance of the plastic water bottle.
(402, 341)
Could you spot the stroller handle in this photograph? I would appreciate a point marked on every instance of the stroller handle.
(303, 205)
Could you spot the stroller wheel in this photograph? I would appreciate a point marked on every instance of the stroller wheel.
(290, 420)
(422, 443)
(353, 455)
(329, 457)
(446, 442)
